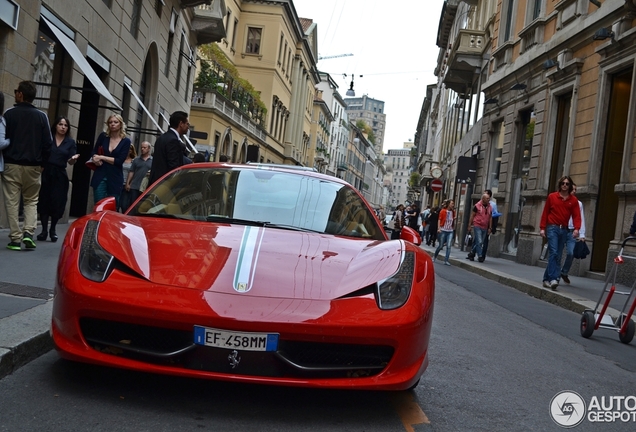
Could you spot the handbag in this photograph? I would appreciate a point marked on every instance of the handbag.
(90, 163)
(144, 184)
(581, 251)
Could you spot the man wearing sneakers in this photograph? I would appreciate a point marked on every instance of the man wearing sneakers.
(481, 224)
(559, 207)
(29, 133)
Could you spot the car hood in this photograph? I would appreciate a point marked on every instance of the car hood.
(261, 261)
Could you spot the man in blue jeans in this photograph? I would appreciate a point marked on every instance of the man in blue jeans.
(481, 223)
(559, 207)
(569, 246)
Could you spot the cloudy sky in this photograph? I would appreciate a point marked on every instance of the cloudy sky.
(393, 47)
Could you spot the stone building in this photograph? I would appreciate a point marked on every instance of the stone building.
(91, 58)
(556, 84)
(371, 111)
(275, 52)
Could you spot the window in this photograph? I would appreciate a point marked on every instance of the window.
(108, 3)
(180, 63)
(253, 40)
(536, 9)
(233, 43)
(159, 4)
(135, 18)
(510, 5)
(495, 156)
(169, 53)
(280, 49)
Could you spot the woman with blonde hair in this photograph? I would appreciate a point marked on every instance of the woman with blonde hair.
(110, 151)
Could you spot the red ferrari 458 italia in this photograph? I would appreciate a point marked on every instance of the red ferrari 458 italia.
(248, 273)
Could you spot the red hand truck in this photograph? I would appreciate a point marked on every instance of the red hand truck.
(593, 319)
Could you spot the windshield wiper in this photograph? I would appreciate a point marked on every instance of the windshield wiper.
(224, 219)
(164, 215)
(291, 227)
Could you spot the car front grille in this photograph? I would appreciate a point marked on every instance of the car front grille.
(176, 348)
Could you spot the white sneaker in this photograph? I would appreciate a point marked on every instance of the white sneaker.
(546, 284)
(554, 284)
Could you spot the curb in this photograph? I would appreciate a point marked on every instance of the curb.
(24, 337)
(563, 300)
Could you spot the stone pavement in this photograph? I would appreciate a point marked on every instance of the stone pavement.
(26, 289)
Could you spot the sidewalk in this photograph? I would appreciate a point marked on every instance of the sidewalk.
(26, 295)
(583, 293)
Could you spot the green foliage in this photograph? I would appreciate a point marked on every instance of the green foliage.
(364, 127)
(217, 73)
(414, 180)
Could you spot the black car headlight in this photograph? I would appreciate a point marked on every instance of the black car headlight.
(394, 291)
(94, 261)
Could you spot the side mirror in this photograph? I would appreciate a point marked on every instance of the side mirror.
(410, 235)
(108, 203)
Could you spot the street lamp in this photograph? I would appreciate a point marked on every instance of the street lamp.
(351, 92)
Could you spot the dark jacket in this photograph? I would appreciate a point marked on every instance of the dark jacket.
(632, 229)
(167, 156)
(29, 131)
(114, 173)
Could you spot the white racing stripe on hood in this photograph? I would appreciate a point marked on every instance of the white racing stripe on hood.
(247, 259)
(138, 246)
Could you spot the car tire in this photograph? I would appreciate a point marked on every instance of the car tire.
(414, 385)
(587, 324)
(629, 332)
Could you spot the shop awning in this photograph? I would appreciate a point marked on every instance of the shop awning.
(81, 61)
(143, 107)
(141, 104)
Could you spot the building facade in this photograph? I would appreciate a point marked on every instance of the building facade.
(95, 58)
(371, 111)
(273, 51)
(556, 84)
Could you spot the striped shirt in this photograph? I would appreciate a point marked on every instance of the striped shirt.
(446, 219)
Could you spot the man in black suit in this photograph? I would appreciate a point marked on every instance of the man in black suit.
(169, 148)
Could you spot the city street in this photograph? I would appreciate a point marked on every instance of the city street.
(497, 358)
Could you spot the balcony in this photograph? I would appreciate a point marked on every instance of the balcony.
(465, 60)
(207, 22)
(214, 101)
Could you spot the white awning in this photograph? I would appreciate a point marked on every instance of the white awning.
(141, 104)
(81, 61)
(143, 107)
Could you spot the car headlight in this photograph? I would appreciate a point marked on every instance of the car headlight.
(94, 261)
(394, 291)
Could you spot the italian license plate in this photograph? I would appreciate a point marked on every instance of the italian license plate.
(235, 340)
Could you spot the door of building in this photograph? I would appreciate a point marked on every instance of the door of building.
(607, 204)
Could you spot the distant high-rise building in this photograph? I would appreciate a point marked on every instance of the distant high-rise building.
(371, 111)
(398, 165)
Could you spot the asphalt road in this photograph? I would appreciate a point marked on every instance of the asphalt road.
(497, 358)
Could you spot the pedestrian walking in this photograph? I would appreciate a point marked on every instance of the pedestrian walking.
(399, 222)
(125, 199)
(169, 149)
(109, 153)
(481, 223)
(139, 169)
(433, 224)
(446, 229)
(54, 191)
(559, 207)
(495, 222)
(4, 142)
(571, 241)
(425, 224)
(29, 135)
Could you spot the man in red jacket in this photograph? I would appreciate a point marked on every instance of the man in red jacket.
(559, 207)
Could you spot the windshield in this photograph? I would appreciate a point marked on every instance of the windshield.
(263, 197)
